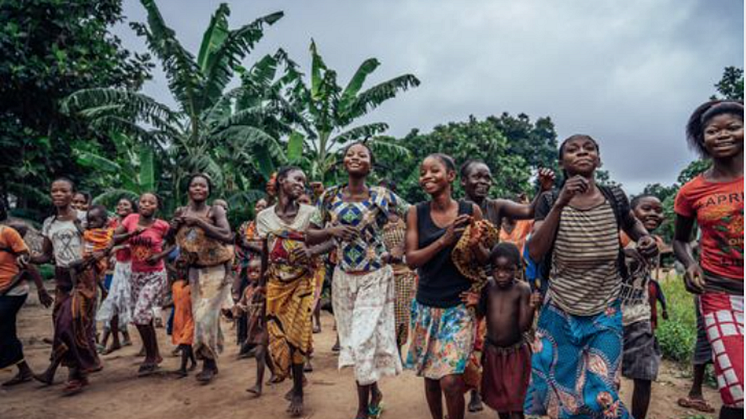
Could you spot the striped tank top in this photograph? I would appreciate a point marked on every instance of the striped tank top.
(585, 278)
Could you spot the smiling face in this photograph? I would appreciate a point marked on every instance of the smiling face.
(80, 202)
(358, 161)
(723, 136)
(61, 193)
(503, 271)
(435, 176)
(477, 181)
(580, 156)
(199, 189)
(148, 205)
(293, 184)
(124, 208)
(649, 211)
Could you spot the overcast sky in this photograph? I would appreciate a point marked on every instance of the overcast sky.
(626, 72)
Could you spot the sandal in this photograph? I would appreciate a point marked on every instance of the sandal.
(74, 387)
(375, 412)
(18, 379)
(700, 405)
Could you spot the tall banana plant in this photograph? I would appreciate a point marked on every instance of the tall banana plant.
(205, 133)
(329, 111)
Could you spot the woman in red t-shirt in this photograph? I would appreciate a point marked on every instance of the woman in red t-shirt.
(714, 199)
(145, 235)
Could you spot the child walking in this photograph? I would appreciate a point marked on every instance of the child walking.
(641, 356)
(509, 307)
(183, 324)
(253, 304)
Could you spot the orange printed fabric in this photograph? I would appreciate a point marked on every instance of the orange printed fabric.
(183, 332)
(98, 240)
(519, 233)
(718, 209)
(9, 240)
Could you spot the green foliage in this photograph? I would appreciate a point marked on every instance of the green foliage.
(730, 85)
(51, 48)
(230, 136)
(325, 112)
(678, 334)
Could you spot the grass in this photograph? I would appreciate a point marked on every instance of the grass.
(678, 334)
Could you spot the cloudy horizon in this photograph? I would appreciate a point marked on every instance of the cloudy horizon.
(627, 73)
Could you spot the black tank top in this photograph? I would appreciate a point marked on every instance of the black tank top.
(440, 283)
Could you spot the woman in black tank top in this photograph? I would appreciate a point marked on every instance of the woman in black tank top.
(443, 329)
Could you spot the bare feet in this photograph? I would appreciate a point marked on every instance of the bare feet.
(316, 328)
(255, 391)
(75, 386)
(110, 349)
(296, 406)
(46, 378)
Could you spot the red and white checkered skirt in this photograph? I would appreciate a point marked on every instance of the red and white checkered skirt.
(723, 316)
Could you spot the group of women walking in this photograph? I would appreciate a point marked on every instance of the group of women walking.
(400, 275)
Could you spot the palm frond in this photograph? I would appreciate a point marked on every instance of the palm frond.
(356, 83)
(229, 54)
(184, 78)
(376, 95)
(362, 132)
(216, 33)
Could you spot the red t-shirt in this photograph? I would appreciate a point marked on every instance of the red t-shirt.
(123, 254)
(718, 209)
(145, 244)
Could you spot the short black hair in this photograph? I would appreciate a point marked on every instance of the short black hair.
(695, 127)
(285, 171)
(67, 180)
(464, 170)
(447, 160)
(507, 250)
(98, 208)
(204, 176)
(636, 200)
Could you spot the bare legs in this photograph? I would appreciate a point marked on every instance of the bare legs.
(641, 399)
(368, 399)
(453, 388)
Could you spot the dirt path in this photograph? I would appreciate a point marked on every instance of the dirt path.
(117, 393)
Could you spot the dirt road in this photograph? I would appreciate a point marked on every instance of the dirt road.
(117, 393)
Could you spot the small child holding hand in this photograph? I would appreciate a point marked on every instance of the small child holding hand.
(509, 307)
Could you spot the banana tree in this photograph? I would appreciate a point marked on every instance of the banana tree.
(204, 134)
(329, 111)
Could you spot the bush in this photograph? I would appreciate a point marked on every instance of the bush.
(678, 334)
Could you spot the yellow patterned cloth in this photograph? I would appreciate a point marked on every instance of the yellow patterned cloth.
(290, 289)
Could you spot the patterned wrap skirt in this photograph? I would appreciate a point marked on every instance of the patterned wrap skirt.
(575, 366)
(119, 300)
(723, 317)
(442, 340)
(210, 288)
(148, 290)
(364, 311)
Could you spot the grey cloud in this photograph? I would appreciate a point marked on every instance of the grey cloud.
(628, 73)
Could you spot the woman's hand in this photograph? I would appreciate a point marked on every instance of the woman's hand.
(546, 179)
(44, 298)
(470, 298)
(647, 246)
(344, 232)
(22, 261)
(456, 229)
(535, 301)
(153, 259)
(574, 186)
(301, 255)
(694, 279)
(192, 220)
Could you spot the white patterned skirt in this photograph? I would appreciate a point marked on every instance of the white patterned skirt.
(119, 300)
(364, 310)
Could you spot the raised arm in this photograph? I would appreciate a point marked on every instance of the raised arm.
(417, 257)
(545, 228)
(517, 211)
